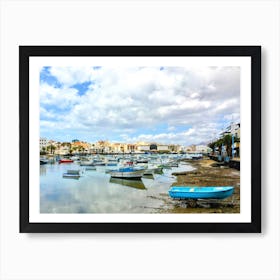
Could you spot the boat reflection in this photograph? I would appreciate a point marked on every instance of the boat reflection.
(43, 170)
(138, 184)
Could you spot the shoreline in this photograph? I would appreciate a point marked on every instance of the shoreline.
(207, 173)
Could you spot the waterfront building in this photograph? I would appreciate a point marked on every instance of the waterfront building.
(191, 149)
(43, 143)
(80, 147)
(131, 148)
(62, 150)
(156, 147)
(174, 148)
(143, 148)
(203, 149)
(232, 129)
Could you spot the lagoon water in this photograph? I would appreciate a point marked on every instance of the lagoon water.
(96, 192)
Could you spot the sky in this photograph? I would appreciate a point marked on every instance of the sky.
(166, 105)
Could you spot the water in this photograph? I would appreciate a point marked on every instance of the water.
(97, 192)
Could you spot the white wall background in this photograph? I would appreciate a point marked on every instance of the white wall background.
(139, 256)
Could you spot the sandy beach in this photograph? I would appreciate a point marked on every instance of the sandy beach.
(207, 173)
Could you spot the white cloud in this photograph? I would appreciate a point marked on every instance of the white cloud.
(58, 97)
(69, 76)
(122, 100)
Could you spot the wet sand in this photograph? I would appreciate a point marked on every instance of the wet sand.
(207, 173)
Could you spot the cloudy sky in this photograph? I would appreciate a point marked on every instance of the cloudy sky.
(129, 104)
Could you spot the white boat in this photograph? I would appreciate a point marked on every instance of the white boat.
(87, 163)
(152, 170)
(72, 174)
(90, 167)
(127, 173)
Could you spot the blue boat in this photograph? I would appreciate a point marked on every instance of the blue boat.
(212, 192)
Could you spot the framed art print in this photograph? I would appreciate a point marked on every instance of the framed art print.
(140, 138)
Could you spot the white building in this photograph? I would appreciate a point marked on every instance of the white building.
(203, 149)
(43, 143)
(143, 148)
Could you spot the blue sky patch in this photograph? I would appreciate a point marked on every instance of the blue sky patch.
(82, 88)
(47, 77)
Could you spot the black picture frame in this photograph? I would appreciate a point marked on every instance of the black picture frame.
(254, 52)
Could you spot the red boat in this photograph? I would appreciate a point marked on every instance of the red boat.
(65, 160)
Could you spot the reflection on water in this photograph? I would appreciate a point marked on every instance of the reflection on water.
(97, 192)
(138, 184)
(43, 170)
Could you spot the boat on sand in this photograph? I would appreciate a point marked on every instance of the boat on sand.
(210, 192)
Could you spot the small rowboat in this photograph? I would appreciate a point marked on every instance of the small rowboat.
(111, 164)
(186, 192)
(127, 173)
(86, 163)
(43, 161)
(65, 160)
(151, 171)
(72, 174)
(90, 168)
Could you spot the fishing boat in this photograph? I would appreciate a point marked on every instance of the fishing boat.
(127, 173)
(152, 170)
(98, 163)
(112, 163)
(211, 192)
(72, 174)
(65, 160)
(142, 161)
(90, 168)
(43, 161)
(87, 163)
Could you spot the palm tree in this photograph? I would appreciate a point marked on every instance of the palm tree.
(51, 148)
(227, 141)
(70, 148)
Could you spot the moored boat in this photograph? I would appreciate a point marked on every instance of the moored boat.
(112, 164)
(72, 174)
(90, 168)
(211, 192)
(127, 173)
(65, 160)
(87, 163)
(152, 170)
(43, 161)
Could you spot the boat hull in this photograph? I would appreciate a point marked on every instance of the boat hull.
(71, 176)
(127, 173)
(66, 161)
(183, 192)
